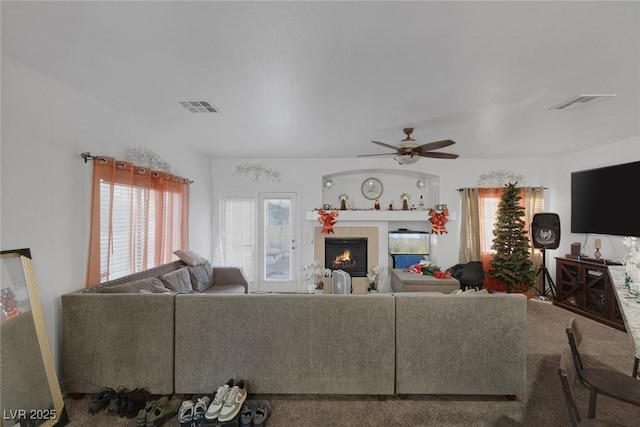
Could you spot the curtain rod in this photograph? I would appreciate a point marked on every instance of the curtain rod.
(86, 155)
(533, 186)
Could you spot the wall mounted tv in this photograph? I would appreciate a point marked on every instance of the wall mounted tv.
(603, 200)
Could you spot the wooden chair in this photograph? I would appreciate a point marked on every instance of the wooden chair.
(604, 381)
(567, 375)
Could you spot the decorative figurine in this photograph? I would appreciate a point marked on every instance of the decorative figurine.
(391, 206)
(376, 205)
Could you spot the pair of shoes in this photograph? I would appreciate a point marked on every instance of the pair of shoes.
(156, 412)
(227, 402)
(233, 402)
(190, 414)
(101, 400)
(255, 413)
(127, 403)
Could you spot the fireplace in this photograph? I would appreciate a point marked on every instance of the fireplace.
(346, 253)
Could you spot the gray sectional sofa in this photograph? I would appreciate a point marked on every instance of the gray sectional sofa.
(378, 344)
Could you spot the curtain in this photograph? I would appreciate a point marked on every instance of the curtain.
(479, 217)
(139, 217)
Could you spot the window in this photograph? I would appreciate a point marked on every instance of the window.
(139, 218)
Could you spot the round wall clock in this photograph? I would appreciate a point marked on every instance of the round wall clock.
(372, 188)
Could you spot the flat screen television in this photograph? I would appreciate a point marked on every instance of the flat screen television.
(604, 200)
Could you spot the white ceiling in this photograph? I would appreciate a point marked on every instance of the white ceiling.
(323, 79)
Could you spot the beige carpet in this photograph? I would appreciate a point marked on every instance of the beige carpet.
(542, 406)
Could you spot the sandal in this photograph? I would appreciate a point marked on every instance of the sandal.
(185, 414)
(199, 409)
(144, 413)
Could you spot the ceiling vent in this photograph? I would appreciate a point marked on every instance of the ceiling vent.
(199, 106)
(581, 101)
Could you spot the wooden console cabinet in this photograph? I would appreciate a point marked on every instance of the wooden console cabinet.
(585, 288)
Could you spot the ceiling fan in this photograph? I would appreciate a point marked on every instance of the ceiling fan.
(409, 151)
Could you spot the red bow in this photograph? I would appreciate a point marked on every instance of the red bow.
(438, 221)
(327, 219)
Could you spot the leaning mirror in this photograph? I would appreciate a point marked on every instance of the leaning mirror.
(29, 391)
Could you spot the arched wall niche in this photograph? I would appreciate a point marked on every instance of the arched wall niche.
(395, 184)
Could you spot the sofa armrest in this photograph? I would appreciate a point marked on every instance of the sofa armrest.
(230, 276)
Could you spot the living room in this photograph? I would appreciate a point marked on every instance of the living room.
(50, 115)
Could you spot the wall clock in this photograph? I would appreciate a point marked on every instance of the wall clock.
(372, 188)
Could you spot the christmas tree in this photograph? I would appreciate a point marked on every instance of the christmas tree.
(511, 263)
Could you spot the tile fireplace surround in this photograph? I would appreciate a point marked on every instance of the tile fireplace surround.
(375, 226)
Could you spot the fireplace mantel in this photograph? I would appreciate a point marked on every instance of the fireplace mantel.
(373, 215)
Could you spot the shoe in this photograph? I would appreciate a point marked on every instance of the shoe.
(262, 412)
(199, 409)
(233, 402)
(143, 414)
(163, 411)
(185, 414)
(136, 400)
(101, 400)
(117, 401)
(218, 400)
(247, 413)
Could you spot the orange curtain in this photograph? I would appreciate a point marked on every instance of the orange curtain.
(139, 217)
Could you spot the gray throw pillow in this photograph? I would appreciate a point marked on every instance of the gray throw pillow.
(178, 281)
(201, 277)
(190, 258)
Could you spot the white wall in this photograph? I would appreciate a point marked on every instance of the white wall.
(306, 175)
(605, 155)
(45, 183)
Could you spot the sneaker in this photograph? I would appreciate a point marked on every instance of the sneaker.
(185, 414)
(199, 409)
(246, 413)
(233, 402)
(262, 412)
(218, 400)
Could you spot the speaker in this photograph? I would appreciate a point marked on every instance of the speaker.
(545, 230)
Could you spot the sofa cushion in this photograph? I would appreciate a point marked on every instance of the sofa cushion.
(226, 289)
(136, 286)
(178, 281)
(201, 277)
(190, 258)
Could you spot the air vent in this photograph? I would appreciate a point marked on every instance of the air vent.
(581, 101)
(199, 106)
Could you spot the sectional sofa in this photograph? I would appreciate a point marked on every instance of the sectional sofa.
(377, 344)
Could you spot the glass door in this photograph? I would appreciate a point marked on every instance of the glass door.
(277, 242)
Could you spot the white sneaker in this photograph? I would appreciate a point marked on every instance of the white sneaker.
(233, 402)
(218, 401)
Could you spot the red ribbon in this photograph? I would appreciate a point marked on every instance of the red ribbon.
(438, 220)
(327, 219)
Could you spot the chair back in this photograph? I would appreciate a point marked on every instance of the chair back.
(574, 335)
(472, 275)
(567, 374)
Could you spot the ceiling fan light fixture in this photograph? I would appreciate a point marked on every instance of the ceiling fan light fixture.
(406, 159)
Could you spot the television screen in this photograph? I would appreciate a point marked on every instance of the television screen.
(603, 200)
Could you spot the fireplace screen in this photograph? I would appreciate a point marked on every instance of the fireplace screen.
(348, 254)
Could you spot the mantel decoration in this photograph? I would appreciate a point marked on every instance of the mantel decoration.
(405, 197)
(631, 261)
(147, 157)
(438, 221)
(328, 184)
(374, 276)
(328, 220)
(258, 171)
(499, 178)
(314, 272)
(511, 264)
(343, 201)
(420, 184)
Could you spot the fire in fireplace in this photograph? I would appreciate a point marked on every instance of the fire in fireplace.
(346, 253)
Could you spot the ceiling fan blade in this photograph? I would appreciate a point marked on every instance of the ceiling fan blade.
(372, 155)
(437, 155)
(436, 145)
(386, 145)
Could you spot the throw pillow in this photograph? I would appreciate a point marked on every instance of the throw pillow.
(178, 281)
(201, 277)
(190, 258)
